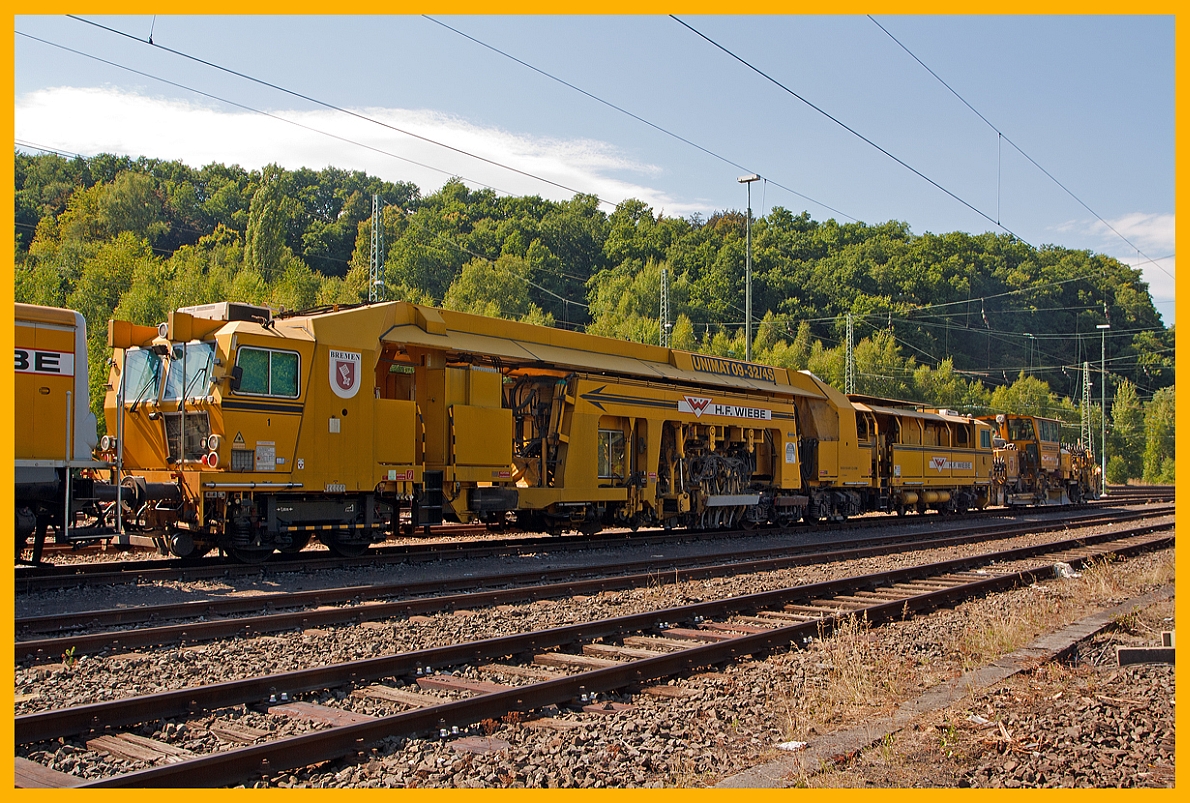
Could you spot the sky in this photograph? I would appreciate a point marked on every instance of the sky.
(1088, 100)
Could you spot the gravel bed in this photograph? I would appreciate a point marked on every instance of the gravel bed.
(726, 722)
(1085, 724)
(45, 603)
(147, 670)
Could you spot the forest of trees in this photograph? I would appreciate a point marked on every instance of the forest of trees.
(974, 322)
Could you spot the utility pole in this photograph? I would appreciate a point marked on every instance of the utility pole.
(748, 269)
(376, 266)
(1103, 327)
(849, 381)
(663, 317)
(1085, 436)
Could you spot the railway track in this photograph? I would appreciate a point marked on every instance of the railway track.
(47, 577)
(1117, 494)
(365, 603)
(566, 666)
(1150, 493)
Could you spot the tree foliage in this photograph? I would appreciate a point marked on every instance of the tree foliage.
(941, 319)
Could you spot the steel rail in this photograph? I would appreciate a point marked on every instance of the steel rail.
(50, 648)
(233, 766)
(271, 603)
(36, 727)
(41, 578)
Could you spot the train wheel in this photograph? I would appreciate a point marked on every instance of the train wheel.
(296, 545)
(351, 549)
(250, 555)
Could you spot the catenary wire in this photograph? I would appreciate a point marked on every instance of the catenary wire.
(846, 127)
(634, 116)
(497, 164)
(1018, 148)
(341, 110)
(256, 111)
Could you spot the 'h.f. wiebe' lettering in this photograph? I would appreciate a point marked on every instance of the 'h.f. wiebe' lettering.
(699, 405)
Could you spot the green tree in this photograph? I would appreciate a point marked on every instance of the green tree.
(1028, 395)
(1159, 437)
(296, 288)
(682, 337)
(264, 241)
(496, 289)
(880, 369)
(537, 316)
(941, 386)
(1126, 437)
(131, 203)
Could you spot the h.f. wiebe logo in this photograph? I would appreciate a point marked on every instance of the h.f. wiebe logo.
(693, 404)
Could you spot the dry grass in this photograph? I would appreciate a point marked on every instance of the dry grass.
(1102, 579)
(855, 674)
(992, 630)
(1108, 579)
(996, 627)
(862, 676)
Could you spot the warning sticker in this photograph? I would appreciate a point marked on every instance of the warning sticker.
(266, 456)
(239, 440)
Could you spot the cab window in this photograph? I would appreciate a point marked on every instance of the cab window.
(611, 454)
(142, 375)
(267, 372)
(1020, 429)
(189, 370)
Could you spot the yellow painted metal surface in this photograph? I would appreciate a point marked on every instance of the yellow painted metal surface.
(53, 422)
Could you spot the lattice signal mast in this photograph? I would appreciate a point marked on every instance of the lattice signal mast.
(663, 315)
(1085, 434)
(849, 379)
(376, 266)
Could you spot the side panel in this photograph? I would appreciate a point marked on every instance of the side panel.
(395, 428)
(482, 436)
(269, 434)
(46, 365)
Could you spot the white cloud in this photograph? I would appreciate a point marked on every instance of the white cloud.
(1153, 234)
(97, 120)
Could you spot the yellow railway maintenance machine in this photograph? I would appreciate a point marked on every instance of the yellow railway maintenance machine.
(561, 430)
(252, 432)
(55, 429)
(924, 459)
(1033, 467)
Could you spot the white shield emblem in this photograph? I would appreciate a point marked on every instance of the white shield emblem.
(345, 373)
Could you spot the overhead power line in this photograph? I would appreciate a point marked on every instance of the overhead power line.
(254, 110)
(634, 116)
(25, 144)
(848, 128)
(1018, 148)
(341, 110)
